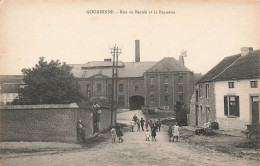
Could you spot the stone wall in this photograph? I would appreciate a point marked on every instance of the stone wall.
(38, 122)
(203, 103)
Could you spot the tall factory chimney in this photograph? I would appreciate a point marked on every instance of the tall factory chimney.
(137, 51)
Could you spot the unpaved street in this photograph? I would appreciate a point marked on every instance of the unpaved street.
(133, 151)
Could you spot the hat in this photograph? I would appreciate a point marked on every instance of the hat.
(80, 121)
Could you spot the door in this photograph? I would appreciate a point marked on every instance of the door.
(95, 121)
(255, 109)
(197, 115)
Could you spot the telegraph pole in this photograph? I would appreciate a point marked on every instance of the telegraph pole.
(115, 52)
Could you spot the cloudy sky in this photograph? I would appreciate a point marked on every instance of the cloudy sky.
(209, 31)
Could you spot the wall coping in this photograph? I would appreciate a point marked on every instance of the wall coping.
(40, 106)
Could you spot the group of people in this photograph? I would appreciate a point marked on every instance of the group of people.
(173, 132)
(148, 124)
(116, 132)
(144, 123)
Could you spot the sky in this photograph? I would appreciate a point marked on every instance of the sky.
(61, 29)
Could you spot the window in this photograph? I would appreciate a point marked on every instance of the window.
(200, 90)
(98, 88)
(166, 100)
(152, 88)
(109, 90)
(136, 88)
(231, 85)
(152, 98)
(197, 96)
(121, 87)
(201, 112)
(253, 84)
(231, 106)
(180, 96)
(180, 88)
(166, 79)
(180, 79)
(152, 81)
(121, 101)
(207, 114)
(207, 91)
(88, 91)
(166, 88)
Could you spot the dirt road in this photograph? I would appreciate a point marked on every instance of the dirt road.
(133, 151)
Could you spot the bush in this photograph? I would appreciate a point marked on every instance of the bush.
(214, 125)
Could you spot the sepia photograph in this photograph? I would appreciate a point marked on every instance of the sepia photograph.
(127, 83)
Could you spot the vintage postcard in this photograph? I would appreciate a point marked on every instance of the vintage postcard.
(110, 82)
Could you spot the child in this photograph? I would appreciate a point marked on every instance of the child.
(176, 132)
(113, 134)
(170, 132)
(146, 123)
(138, 125)
(147, 135)
(159, 123)
(142, 124)
(119, 133)
(153, 134)
(132, 124)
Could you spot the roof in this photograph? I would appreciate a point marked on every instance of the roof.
(101, 64)
(168, 64)
(11, 79)
(197, 76)
(130, 69)
(235, 67)
(10, 88)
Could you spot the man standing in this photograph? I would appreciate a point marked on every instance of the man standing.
(135, 118)
(80, 132)
(142, 124)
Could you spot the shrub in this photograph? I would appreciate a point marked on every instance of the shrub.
(214, 125)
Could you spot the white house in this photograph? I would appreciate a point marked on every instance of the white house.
(9, 92)
(237, 102)
(229, 92)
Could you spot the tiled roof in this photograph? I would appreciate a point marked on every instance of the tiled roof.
(100, 64)
(130, 69)
(10, 79)
(10, 88)
(168, 64)
(235, 67)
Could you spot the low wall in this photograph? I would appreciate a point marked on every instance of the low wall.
(38, 122)
(232, 123)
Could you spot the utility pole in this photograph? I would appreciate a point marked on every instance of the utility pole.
(115, 52)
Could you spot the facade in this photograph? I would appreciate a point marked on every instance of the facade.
(154, 83)
(229, 92)
(9, 92)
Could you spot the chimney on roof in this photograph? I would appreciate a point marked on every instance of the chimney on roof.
(245, 50)
(181, 57)
(137, 51)
(107, 60)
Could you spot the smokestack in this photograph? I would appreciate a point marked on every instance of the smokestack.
(137, 51)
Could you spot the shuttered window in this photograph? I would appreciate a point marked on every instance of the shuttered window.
(231, 106)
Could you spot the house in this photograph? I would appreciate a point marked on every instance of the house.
(10, 79)
(139, 83)
(229, 92)
(9, 92)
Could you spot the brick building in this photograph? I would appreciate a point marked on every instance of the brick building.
(139, 83)
(229, 92)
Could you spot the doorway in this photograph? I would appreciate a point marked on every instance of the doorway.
(136, 102)
(255, 109)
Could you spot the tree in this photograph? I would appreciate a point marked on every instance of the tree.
(181, 113)
(48, 83)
